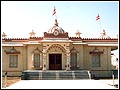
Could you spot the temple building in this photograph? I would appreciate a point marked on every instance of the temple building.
(55, 50)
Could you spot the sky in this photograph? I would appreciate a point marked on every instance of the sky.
(19, 18)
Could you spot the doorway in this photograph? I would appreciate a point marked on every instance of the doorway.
(55, 61)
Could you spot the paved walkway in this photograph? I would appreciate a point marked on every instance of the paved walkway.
(63, 84)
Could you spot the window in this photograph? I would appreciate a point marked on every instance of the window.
(13, 61)
(96, 60)
(37, 60)
(73, 61)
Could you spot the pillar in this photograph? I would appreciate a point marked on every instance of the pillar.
(68, 56)
(44, 61)
(68, 61)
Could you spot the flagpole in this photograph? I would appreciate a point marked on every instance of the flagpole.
(54, 13)
(56, 16)
(98, 18)
(100, 24)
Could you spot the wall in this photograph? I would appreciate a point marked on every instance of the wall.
(105, 62)
(5, 61)
(79, 48)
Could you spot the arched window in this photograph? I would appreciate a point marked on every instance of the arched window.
(36, 58)
(96, 60)
(13, 57)
(73, 60)
(96, 57)
(13, 61)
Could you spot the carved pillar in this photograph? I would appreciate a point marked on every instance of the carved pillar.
(44, 61)
(68, 58)
(68, 61)
(44, 58)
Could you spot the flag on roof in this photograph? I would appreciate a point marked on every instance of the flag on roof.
(98, 17)
(54, 11)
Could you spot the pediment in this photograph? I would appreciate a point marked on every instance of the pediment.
(12, 51)
(96, 51)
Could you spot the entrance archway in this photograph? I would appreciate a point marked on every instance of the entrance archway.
(56, 53)
(56, 46)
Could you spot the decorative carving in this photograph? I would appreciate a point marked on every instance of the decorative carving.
(78, 33)
(56, 32)
(103, 35)
(73, 50)
(57, 46)
(12, 51)
(32, 34)
(4, 35)
(36, 50)
(96, 51)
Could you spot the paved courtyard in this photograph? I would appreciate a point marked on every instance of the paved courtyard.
(9, 81)
(64, 84)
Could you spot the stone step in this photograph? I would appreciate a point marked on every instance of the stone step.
(48, 75)
(65, 75)
(55, 75)
(81, 75)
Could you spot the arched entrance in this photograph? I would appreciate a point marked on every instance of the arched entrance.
(55, 56)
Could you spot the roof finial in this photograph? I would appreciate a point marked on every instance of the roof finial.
(103, 35)
(117, 36)
(32, 34)
(4, 35)
(78, 33)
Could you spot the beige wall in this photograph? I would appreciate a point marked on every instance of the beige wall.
(105, 61)
(5, 60)
(79, 48)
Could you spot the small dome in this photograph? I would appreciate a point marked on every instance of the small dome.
(56, 27)
(59, 29)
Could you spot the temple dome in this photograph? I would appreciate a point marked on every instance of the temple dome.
(56, 27)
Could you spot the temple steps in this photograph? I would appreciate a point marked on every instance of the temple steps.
(55, 75)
